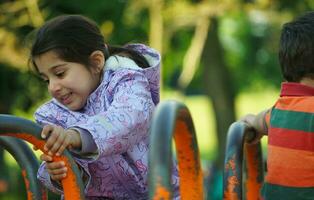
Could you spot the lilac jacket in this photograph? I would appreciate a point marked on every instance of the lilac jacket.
(114, 126)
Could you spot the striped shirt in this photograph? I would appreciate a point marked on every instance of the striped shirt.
(290, 159)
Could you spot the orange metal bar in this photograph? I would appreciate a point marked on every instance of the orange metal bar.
(172, 119)
(254, 171)
(27, 130)
(239, 153)
(28, 163)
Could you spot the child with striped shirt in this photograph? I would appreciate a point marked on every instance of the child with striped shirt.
(290, 122)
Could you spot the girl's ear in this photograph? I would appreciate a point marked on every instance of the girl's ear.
(97, 60)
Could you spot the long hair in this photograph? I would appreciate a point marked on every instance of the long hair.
(73, 38)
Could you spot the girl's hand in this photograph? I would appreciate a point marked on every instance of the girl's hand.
(58, 139)
(56, 170)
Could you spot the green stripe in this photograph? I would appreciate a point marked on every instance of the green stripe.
(276, 192)
(293, 120)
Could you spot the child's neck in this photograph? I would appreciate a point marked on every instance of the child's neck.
(308, 82)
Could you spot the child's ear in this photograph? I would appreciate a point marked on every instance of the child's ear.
(97, 60)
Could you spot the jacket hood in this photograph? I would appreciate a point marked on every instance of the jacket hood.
(153, 72)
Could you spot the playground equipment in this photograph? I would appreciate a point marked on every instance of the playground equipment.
(28, 163)
(242, 161)
(30, 132)
(171, 120)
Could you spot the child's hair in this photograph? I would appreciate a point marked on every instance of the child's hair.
(296, 49)
(73, 38)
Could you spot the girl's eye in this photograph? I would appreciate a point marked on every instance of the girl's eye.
(46, 81)
(60, 74)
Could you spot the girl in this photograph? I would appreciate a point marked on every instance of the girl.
(102, 102)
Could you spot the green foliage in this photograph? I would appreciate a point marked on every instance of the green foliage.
(173, 59)
(19, 89)
(110, 12)
(251, 50)
(293, 6)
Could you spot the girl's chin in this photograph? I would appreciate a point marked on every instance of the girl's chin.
(74, 107)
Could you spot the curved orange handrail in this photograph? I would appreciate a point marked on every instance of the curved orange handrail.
(28, 163)
(238, 153)
(29, 131)
(173, 120)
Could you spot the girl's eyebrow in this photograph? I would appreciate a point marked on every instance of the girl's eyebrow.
(51, 69)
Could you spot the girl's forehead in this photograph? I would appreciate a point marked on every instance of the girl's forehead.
(48, 56)
(48, 59)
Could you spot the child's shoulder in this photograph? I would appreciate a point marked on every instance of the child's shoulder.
(48, 107)
(117, 62)
(152, 56)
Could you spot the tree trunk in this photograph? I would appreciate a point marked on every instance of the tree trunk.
(218, 87)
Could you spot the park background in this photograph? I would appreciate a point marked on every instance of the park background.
(219, 57)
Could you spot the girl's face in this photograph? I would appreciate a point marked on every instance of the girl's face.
(68, 82)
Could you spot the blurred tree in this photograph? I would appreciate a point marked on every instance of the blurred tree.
(13, 82)
(218, 48)
(227, 68)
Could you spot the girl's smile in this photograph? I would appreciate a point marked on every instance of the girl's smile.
(69, 83)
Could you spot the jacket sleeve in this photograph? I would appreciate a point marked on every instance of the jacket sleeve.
(127, 118)
(44, 115)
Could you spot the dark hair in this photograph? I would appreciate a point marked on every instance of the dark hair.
(296, 49)
(74, 38)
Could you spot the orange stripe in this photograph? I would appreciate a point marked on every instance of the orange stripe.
(288, 167)
(300, 104)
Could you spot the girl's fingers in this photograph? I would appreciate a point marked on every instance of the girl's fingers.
(66, 143)
(46, 131)
(59, 143)
(46, 158)
(54, 134)
(58, 177)
(57, 170)
(55, 165)
(61, 149)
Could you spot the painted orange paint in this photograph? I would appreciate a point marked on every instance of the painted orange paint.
(27, 185)
(229, 193)
(161, 193)
(252, 185)
(71, 190)
(191, 178)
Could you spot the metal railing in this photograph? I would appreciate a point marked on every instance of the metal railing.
(243, 171)
(28, 163)
(29, 131)
(173, 120)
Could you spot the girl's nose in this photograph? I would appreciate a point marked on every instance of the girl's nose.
(54, 86)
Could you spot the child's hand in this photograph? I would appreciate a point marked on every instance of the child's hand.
(253, 134)
(56, 170)
(58, 139)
